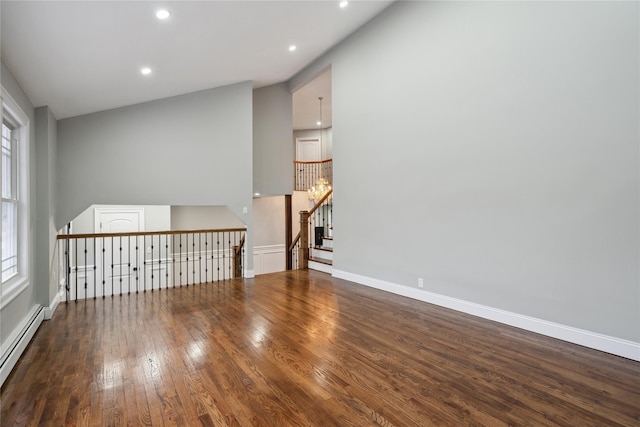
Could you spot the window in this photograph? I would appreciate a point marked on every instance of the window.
(14, 173)
(9, 202)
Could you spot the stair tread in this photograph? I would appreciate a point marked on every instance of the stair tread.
(323, 248)
(321, 261)
(327, 237)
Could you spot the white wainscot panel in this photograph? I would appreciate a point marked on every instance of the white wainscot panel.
(269, 259)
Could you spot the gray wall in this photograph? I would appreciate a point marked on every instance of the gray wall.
(502, 138)
(162, 217)
(14, 314)
(272, 150)
(203, 217)
(156, 218)
(46, 151)
(193, 149)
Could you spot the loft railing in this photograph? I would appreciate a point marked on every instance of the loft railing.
(307, 173)
(97, 265)
(314, 225)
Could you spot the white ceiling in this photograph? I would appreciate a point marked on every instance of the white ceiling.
(79, 57)
(306, 105)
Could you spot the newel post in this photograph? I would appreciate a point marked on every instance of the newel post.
(237, 259)
(303, 252)
(237, 262)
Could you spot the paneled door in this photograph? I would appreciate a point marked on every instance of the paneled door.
(119, 258)
(308, 149)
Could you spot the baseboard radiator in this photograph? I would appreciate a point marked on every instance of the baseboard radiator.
(20, 342)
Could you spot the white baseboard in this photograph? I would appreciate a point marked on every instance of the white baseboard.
(19, 341)
(613, 345)
(48, 311)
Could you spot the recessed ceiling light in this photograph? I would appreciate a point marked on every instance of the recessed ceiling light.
(256, 194)
(343, 4)
(145, 71)
(319, 123)
(292, 48)
(163, 14)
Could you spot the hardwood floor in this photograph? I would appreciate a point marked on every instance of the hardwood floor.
(302, 348)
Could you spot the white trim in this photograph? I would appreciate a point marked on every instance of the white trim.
(83, 270)
(19, 341)
(158, 264)
(613, 345)
(249, 274)
(267, 249)
(48, 311)
(14, 108)
(15, 286)
(206, 255)
(15, 334)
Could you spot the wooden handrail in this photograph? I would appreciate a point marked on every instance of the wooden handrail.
(303, 234)
(146, 233)
(320, 202)
(293, 245)
(240, 246)
(98, 264)
(300, 162)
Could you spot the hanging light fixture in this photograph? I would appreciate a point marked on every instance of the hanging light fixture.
(319, 190)
(321, 187)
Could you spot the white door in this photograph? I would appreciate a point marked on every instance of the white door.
(119, 258)
(308, 149)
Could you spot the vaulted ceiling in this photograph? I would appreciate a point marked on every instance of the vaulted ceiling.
(79, 57)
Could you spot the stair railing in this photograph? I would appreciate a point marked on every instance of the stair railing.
(101, 264)
(306, 174)
(314, 225)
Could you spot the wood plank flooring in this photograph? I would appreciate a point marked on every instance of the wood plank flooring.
(304, 349)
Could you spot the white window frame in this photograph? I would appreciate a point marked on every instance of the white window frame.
(12, 199)
(14, 286)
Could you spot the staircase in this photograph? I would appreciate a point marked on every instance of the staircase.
(313, 245)
(321, 256)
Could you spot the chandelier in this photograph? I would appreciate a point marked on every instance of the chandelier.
(318, 191)
(322, 187)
